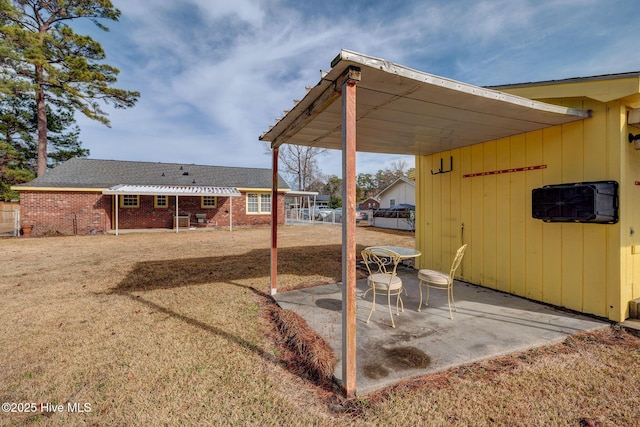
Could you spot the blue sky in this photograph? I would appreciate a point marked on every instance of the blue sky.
(214, 75)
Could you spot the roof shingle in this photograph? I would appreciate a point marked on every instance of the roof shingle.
(96, 174)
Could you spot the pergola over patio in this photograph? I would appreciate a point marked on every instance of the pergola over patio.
(388, 108)
(172, 190)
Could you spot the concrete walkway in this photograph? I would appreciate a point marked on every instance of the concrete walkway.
(487, 324)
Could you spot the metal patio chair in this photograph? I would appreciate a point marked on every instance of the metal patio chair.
(439, 280)
(381, 265)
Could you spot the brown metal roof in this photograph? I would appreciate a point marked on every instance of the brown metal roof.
(404, 111)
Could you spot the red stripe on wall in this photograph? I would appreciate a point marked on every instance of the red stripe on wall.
(501, 171)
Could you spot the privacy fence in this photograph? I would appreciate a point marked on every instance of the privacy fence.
(9, 219)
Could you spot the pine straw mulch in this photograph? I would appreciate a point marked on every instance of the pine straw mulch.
(307, 355)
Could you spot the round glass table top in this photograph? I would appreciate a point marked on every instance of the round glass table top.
(403, 252)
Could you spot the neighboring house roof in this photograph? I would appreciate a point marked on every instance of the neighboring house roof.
(102, 174)
(373, 199)
(393, 184)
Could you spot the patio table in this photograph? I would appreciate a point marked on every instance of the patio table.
(404, 253)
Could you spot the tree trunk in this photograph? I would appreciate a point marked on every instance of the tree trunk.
(42, 123)
(299, 172)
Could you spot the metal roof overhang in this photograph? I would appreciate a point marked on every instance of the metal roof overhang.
(170, 190)
(393, 109)
(403, 111)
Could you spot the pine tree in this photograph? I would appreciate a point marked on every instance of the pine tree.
(18, 141)
(40, 53)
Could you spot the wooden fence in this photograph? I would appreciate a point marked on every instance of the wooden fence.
(9, 218)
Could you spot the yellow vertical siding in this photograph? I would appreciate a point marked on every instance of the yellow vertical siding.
(633, 290)
(572, 242)
(476, 231)
(518, 198)
(445, 213)
(455, 209)
(596, 168)
(466, 207)
(490, 225)
(630, 220)
(455, 194)
(436, 226)
(503, 213)
(533, 228)
(577, 266)
(552, 233)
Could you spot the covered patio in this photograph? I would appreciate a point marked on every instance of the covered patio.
(372, 105)
(488, 324)
(169, 191)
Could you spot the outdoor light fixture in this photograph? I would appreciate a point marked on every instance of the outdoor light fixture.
(636, 139)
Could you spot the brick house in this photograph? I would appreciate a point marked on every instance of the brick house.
(79, 197)
(369, 204)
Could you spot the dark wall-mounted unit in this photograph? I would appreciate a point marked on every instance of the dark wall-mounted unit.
(595, 202)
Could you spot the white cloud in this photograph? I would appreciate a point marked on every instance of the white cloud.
(215, 75)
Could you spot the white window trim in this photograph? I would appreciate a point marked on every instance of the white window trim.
(260, 203)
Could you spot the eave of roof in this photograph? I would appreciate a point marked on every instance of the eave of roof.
(604, 88)
(403, 111)
(27, 187)
(602, 77)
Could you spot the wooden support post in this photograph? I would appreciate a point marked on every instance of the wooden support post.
(351, 77)
(274, 222)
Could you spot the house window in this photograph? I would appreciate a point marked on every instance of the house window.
(252, 203)
(392, 202)
(129, 201)
(208, 202)
(161, 202)
(265, 203)
(258, 203)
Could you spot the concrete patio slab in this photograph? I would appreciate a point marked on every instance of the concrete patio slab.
(488, 324)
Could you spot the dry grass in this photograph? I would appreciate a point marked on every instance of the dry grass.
(590, 379)
(177, 329)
